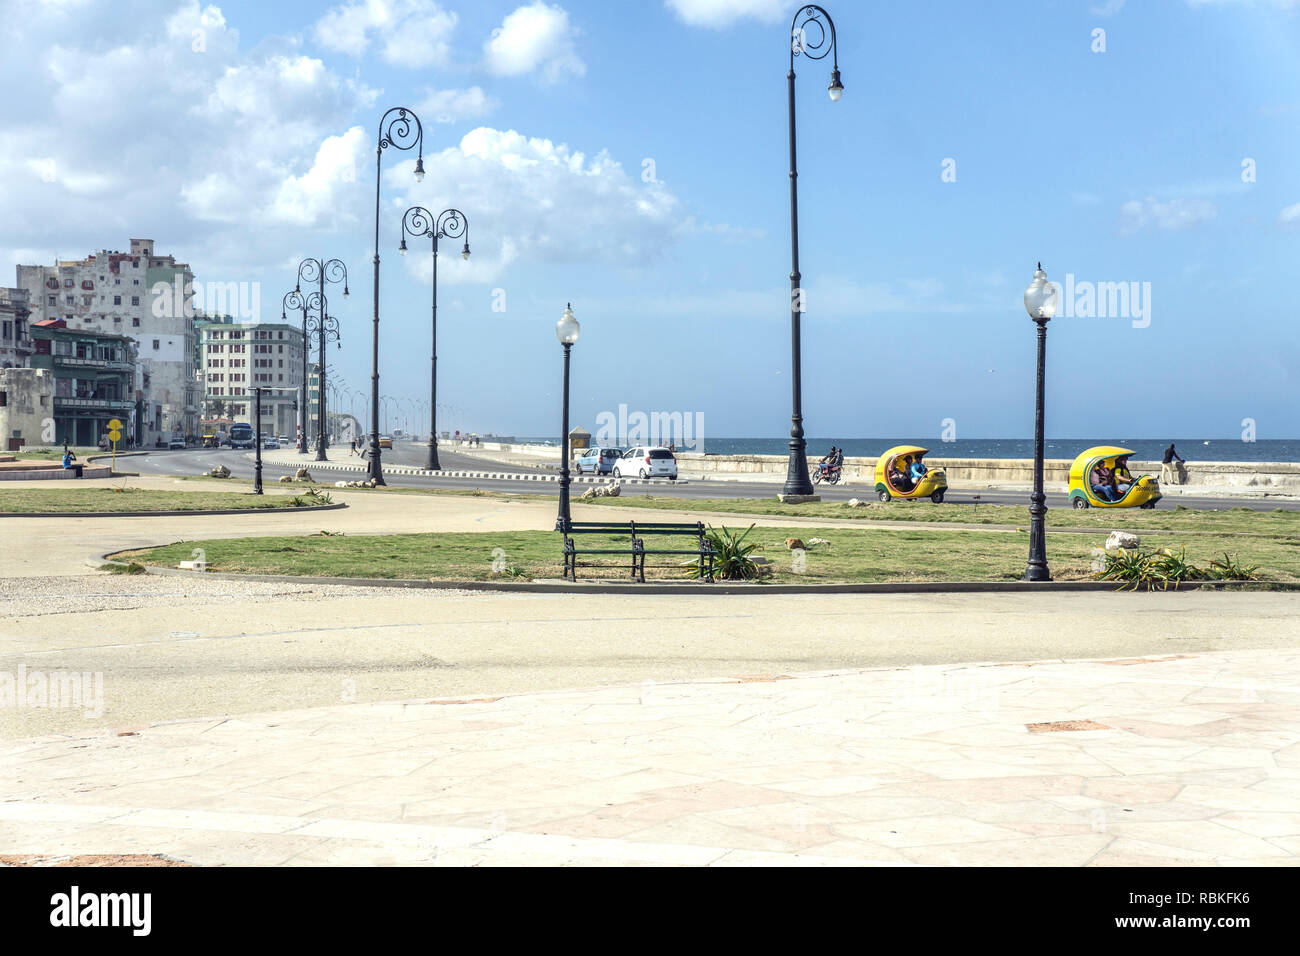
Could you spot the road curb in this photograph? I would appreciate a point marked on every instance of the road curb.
(515, 476)
(167, 514)
(687, 587)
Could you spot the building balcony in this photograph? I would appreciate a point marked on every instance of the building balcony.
(69, 401)
(73, 361)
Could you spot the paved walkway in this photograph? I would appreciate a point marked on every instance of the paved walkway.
(1181, 760)
(711, 730)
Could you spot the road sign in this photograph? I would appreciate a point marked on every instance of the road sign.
(114, 435)
(115, 425)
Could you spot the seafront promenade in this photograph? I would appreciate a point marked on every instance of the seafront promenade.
(1226, 476)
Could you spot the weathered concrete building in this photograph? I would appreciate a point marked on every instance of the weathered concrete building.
(15, 314)
(93, 374)
(145, 297)
(26, 407)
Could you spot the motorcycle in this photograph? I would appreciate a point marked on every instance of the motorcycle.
(828, 473)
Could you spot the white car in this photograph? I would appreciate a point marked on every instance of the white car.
(176, 444)
(644, 462)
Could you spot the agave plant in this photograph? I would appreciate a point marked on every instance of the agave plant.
(1231, 569)
(732, 561)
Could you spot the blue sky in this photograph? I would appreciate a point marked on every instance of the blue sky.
(1117, 166)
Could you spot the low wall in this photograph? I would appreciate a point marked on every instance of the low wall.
(54, 474)
(1280, 477)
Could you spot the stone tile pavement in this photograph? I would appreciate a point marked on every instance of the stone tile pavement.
(1196, 761)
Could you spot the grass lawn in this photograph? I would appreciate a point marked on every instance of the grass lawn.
(36, 500)
(1162, 518)
(853, 555)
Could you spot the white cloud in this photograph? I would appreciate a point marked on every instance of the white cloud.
(1174, 214)
(172, 132)
(535, 37)
(723, 13)
(411, 33)
(532, 200)
(451, 106)
(1289, 215)
(1107, 8)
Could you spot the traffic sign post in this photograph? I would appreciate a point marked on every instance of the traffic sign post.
(114, 435)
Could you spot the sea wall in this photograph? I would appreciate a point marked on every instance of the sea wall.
(1279, 477)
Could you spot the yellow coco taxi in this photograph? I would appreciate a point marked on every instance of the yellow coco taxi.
(894, 476)
(1099, 478)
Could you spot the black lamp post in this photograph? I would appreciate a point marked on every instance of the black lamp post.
(449, 224)
(326, 329)
(257, 439)
(566, 330)
(294, 300)
(808, 19)
(398, 133)
(1040, 303)
(322, 271)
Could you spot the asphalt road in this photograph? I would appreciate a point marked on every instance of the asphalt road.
(197, 460)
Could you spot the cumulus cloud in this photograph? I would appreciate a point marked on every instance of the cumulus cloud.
(451, 106)
(533, 200)
(171, 130)
(1174, 214)
(1289, 215)
(534, 37)
(410, 33)
(723, 13)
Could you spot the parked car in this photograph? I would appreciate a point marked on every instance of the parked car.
(270, 444)
(644, 462)
(176, 444)
(597, 461)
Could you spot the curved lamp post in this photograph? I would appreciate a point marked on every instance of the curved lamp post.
(449, 224)
(402, 131)
(1040, 302)
(293, 300)
(566, 330)
(320, 272)
(814, 39)
(326, 328)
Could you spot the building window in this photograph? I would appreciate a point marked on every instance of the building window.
(135, 300)
(71, 300)
(135, 322)
(54, 300)
(4, 399)
(155, 345)
(117, 300)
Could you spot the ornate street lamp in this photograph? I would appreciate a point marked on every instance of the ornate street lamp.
(1040, 303)
(566, 330)
(449, 224)
(326, 329)
(293, 300)
(812, 38)
(402, 131)
(320, 272)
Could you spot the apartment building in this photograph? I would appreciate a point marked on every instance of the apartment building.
(145, 297)
(237, 356)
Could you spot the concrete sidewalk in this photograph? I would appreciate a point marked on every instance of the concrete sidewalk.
(1180, 760)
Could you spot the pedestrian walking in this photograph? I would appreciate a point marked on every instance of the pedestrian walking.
(354, 447)
(1168, 471)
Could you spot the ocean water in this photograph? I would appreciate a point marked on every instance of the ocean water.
(1145, 449)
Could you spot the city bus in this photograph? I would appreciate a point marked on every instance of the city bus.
(241, 435)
